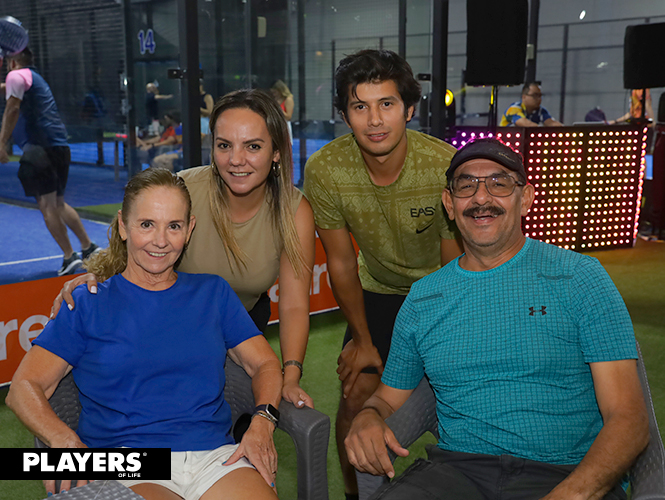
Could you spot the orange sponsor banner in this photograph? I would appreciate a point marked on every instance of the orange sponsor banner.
(320, 293)
(24, 311)
(25, 307)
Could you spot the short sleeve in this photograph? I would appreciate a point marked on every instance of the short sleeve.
(65, 336)
(16, 84)
(321, 193)
(606, 330)
(514, 113)
(236, 322)
(545, 115)
(404, 367)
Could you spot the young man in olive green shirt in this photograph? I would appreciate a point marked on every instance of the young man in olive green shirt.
(382, 185)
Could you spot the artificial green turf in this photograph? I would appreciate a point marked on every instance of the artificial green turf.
(100, 212)
(639, 274)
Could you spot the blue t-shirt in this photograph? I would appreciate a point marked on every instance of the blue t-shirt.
(517, 110)
(150, 364)
(507, 352)
(39, 121)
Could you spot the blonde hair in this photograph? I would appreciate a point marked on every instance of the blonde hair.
(280, 192)
(282, 88)
(113, 260)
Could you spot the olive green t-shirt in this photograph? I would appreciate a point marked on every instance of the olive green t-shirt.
(398, 227)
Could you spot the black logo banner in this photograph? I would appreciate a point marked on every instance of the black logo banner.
(85, 463)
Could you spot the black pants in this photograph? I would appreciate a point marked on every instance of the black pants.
(381, 312)
(260, 313)
(466, 476)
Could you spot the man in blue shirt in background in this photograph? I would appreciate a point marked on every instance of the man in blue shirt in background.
(32, 118)
(528, 112)
(530, 352)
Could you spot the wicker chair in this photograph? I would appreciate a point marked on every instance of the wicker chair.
(418, 415)
(309, 429)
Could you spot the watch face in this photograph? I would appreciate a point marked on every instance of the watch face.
(273, 411)
(270, 410)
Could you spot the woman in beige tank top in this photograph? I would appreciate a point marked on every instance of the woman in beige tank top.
(253, 225)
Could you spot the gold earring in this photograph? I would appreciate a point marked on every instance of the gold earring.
(276, 169)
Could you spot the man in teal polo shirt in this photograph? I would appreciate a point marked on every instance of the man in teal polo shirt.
(529, 349)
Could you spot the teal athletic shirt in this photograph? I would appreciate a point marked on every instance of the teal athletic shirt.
(507, 352)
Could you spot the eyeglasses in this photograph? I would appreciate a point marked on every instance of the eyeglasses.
(536, 96)
(500, 185)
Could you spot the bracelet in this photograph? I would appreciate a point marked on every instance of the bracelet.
(267, 417)
(293, 362)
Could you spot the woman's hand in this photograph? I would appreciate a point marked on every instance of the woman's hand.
(66, 292)
(293, 393)
(68, 441)
(258, 447)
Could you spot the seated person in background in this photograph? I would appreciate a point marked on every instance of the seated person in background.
(528, 112)
(171, 341)
(529, 349)
(168, 160)
(170, 138)
(635, 112)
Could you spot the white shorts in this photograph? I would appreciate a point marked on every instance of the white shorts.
(194, 472)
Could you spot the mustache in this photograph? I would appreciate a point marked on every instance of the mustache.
(485, 210)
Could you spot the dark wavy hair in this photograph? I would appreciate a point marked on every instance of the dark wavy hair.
(24, 58)
(373, 66)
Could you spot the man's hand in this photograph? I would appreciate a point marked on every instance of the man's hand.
(556, 494)
(353, 359)
(293, 393)
(366, 444)
(66, 292)
(4, 157)
(258, 447)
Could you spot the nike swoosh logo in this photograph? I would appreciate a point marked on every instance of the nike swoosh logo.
(418, 231)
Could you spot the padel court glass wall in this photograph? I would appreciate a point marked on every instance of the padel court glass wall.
(99, 56)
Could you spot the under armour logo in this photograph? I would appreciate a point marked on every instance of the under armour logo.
(533, 311)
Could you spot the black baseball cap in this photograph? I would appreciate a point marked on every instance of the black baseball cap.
(490, 149)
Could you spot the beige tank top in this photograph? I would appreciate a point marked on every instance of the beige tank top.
(256, 237)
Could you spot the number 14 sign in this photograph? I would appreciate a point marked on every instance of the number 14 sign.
(147, 41)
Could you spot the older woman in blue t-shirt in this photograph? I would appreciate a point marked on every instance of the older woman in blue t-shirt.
(147, 355)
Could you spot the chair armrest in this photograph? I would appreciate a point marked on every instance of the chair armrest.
(413, 419)
(238, 390)
(310, 431)
(308, 428)
(66, 405)
(98, 490)
(648, 472)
